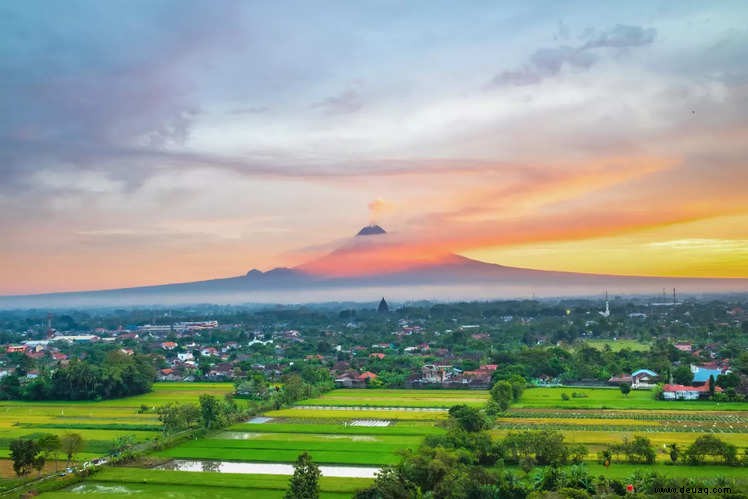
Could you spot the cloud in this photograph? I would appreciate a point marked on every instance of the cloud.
(250, 110)
(347, 102)
(83, 89)
(548, 62)
(621, 36)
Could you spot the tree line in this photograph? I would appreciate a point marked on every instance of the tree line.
(121, 375)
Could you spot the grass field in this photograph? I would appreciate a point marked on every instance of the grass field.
(617, 345)
(286, 447)
(98, 422)
(135, 482)
(360, 413)
(612, 398)
(623, 471)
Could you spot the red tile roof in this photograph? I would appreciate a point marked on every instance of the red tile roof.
(684, 388)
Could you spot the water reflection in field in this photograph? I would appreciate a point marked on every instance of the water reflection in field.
(263, 468)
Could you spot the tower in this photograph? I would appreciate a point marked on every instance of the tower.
(383, 308)
(50, 331)
(606, 312)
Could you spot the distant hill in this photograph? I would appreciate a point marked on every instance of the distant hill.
(372, 265)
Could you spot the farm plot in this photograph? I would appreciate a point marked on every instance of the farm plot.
(611, 398)
(351, 413)
(618, 345)
(141, 483)
(443, 399)
(349, 434)
(596, 440)
(286, 447)
(322, 426)
(99, 423)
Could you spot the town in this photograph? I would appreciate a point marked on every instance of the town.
(686, 350)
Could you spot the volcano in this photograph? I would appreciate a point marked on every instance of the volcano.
(371, 230)
(372, 264)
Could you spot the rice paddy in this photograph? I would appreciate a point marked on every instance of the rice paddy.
(393, 421)
(140, 483)
(99, 423)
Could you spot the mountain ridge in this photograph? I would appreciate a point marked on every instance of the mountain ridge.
(371, 264)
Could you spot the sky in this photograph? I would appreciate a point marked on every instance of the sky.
(147, 142)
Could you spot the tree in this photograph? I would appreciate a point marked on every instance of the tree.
(389, 484)
(709, 445)
(71, 444)
(211, 411)
(304, 483)
(501, 393)
(673, 451)
(682, 375)
(10, 387)
(625, 389)
(711, 386)
(518, 386)
(637, 451)
(49, 445)
(178, 417)
(467, 418)
(545, 447)
(24, 453)
(123, 446)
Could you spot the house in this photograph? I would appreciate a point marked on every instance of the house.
(169, 345)
(222, 370)
(367, 377)
(168, 375)
(684, 347)
(477, 377)
(621, 379)
(209, 352)
(702, 374)
(682, 392)
(185, 356)
(639, 379)
(377, 355)
(350, 379)
(433, 373)
(15, 349)
(643, 378)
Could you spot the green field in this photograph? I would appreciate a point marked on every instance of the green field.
(325, 431)
(135, 482)
(408, 428)
(351, 413)
(399, 398)
(612, 398)
(98, 422)
(321, 426)
(286, 447)
(617, 345)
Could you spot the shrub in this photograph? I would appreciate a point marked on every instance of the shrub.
(709, 445)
